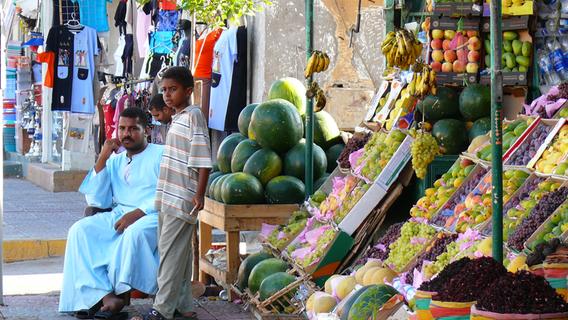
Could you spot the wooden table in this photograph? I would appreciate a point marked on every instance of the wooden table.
(232, 219)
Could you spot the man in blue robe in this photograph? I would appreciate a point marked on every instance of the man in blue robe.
(111, 253)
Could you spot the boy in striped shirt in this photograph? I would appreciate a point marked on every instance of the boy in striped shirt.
(184, 171)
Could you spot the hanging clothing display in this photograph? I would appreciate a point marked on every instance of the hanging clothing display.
(238, 95)
(49, 58)
(78, 131)
(143, 22)
(60, 42)
(203, 53)
(94, 13)
(225, 54)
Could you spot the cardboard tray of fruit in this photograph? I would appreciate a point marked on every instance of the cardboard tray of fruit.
(557, 139)
(556, 220)
(513, 8)
(440, 214)
(537, 134)
(457, 9)
(563, 165)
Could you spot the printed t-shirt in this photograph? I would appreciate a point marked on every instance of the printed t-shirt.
(49, 58)
(94, 13)
(186, 150)
(85, 48)
(60, 42)
(225, 54)
(204, 57)
(238, 94)
(143, 22)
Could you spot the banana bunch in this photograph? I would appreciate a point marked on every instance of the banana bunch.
(314, 91)
(423, 81)
(401, 48)
(318, 62)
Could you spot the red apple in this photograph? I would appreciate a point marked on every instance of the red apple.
(473, 56)
(437, 34)
(436, 66)
(436, 44)
(474, 44)
(446, 44)
(438, 55)
(471, 33)
(449, 34)
(447, 67)
(472, 67)
(450, 56)
(462, 55)
(459, 66)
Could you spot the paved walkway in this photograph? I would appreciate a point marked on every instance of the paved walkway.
(31, 213)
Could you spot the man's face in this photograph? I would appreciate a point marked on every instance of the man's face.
(131, 134)
(175, 95)
(164, 116)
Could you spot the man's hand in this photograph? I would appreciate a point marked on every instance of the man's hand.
(110, 146)
(128, 219)
(198, 202)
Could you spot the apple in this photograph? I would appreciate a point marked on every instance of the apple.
(450, 56)
(438, 55)
(436, 44)
(447, 67)
(459, 66)
(436, 66)
(462, 55)
(474, 44)
(471, 33)
(471, 67)
(437, 34)
(462, 40)
(449, 34)
(446, 44)
(473, 56)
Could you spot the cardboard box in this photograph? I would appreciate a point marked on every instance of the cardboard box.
(508, 23)
(548, 141)
(447, 23)
(458, 79)
(540, 230)
(458, 9)
(378, 189)
(510, 78)
(516, 147)
(527, 9)
(374, 104)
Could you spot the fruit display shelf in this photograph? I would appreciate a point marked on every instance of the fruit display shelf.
(553, 150)
(555, 226)
(522, 152)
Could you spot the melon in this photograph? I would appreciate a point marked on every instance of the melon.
(450, 135)
(262, 270)
(247, 265)
(244, 118)
(285, 190)
(326, 131)
(295, 161)
(242, 153)
(264, 164)
(274, 283)
(241, 188)
(291, 90)
(225, 152)
(475, 102)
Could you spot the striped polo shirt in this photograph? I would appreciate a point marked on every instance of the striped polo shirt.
(186, 150)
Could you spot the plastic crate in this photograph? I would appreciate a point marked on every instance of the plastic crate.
(436, 169)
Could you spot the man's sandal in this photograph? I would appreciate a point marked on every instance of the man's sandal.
(109, 315)
(179, 316)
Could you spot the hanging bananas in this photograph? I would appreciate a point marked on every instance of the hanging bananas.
(423, 81)
(318, 62)
(401, 48)
(314, 91)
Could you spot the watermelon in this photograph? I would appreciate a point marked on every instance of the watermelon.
(264, 164)
(242, 152)
(480, 127)
(215, 168)
(211, 187)
(326, 131)
(319, 182)
(244, 118)
(274, 283)
(247, 265)
(475, 102)
(225, 152)
(262, 270)
(241, 188)
(285, 190)
(295, 161)
(332, 154)
(275, 124)
(369, 302)
(291, 90)
(451, 135)
(443, 105)
(344, 307)
(217, 188)
(212, 177)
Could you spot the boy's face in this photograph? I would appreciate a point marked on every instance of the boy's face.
(164, 116)
(175, 95)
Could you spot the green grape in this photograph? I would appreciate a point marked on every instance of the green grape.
(424, 149)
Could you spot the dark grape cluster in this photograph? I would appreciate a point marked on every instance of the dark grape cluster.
(521, 293)
(392, 234)
(438, 247)
(544, 208)
(541, 251)
(527, 150)
(523, 193)
(356, 142)
(465, 279)
(562, 92)
(459, 197)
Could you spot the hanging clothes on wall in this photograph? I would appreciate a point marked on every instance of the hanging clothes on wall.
(238, 95)
(224, 56)
(94, 13)
(203, 62)
(74, 51)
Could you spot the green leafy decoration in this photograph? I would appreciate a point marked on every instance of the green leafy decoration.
(214, 12)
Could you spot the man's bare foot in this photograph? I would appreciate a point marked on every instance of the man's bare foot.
(113, 303)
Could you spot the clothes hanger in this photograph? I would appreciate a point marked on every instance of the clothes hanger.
(73, 23)
(165, 66)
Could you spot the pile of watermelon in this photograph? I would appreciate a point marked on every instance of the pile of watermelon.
(265, 161)
(457, 118)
